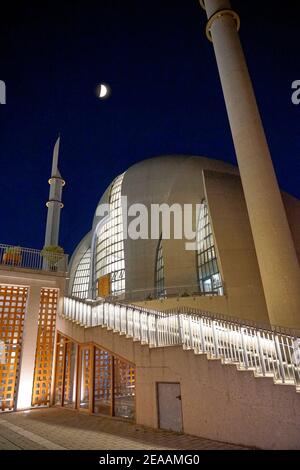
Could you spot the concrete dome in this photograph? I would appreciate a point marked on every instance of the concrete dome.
(165, 179)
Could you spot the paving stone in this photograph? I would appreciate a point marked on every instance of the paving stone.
(72, 430)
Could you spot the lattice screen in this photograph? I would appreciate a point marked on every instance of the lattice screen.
(44, 348)
(12, 312)
(102, 382)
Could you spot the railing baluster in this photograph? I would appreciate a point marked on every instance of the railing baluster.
(279, 357)
(266, 352)
(126, 327)
(215, 339)
(29, 258)
(156, 332)
(202, 337)
(261, 354)
(191, 339)
(140, 322)
(244, 348)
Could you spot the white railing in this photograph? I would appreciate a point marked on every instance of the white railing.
(267, 353)
(133, 295)
(19, 257)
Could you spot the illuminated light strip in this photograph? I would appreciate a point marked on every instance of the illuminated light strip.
(219, 14)
(263, 351)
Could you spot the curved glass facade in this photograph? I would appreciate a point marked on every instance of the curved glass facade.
(209, 277)
(82, 276)
(110, 243)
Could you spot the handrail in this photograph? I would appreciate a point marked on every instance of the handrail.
(239, 321)
(30, 258)
(266, 352)
(197, 312)
(176, 291)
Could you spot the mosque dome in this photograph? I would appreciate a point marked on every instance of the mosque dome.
(131, 265)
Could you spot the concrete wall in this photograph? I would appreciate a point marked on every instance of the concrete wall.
(218, 401)
(213, 304)
(235, 246)
(292, 207)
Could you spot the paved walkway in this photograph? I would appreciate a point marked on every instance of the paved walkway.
(59, 429)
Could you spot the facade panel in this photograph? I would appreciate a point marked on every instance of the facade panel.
(12, 313)
(44, 348)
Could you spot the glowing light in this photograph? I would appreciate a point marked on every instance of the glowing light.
(103, 91)
(25, 391)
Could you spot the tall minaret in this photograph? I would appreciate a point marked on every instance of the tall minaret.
(275, 249)
(55, 201)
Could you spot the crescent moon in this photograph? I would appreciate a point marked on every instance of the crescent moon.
(103, 91)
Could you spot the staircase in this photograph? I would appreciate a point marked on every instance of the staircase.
(267, 352)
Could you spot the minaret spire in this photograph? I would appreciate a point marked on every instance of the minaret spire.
(55, 171)
(55, 200)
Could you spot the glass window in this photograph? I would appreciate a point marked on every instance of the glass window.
(102, 382)
(124, 389)
(210, 281)
(110, 243)
(85, 378)
(101, 375)
(65, 372)
(82, 276)
(59, 370)
(70, 378)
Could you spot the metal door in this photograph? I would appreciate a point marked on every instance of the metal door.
(169, 406)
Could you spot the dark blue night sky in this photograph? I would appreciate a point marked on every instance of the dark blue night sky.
(166, 98)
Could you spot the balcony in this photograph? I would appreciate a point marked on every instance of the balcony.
(29, 258)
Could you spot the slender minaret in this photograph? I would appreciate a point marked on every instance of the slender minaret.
(54, 204)
(275, 249)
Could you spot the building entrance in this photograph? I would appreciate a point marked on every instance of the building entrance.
(169, 406)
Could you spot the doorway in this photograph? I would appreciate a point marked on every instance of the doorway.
(169, 406)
